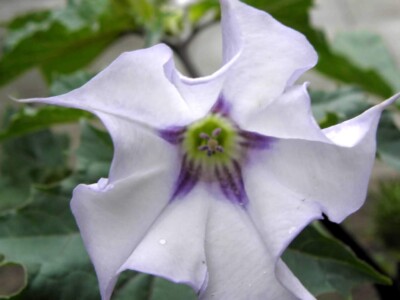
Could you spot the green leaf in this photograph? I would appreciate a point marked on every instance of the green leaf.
(345, 103)
(387, 215)
(94, 154)
(13, 278)
(389, 140)
(368, 51)
(145, 287)
(43, 236)
(200, 9)
(324, 265)
(29, 119)
(63, 40)
(33, 159)
(330, 108)
(295, 13)
(61, 84)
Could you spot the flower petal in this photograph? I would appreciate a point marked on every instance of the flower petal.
(279, 216)
(240, 266)
(134, 87)
(174, 246)
(349, 133)
(201, 93)
(334, 174)
(271, 56)
(113, 218)
(288, 116)
(278, 213)
(137, 149)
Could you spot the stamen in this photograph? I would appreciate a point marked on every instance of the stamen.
(216, 132)
(204, 136)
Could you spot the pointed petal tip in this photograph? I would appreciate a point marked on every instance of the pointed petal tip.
(391, 100)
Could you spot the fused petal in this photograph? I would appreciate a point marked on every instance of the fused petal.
(174, 245)
(134, 87)
(137, 149)
(271, 56)
(113, 218)
(239, 265)
(334, 174)
(288, 116)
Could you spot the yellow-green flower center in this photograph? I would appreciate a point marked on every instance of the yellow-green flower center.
(211, 140)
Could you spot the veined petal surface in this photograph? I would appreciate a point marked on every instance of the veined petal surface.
(174, 246)
(135, 87)
(239, 264)
(114, 217)
(271, 57)
(288, 116)
(334, 174)
(138, 149)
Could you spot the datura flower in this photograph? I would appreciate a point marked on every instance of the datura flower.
(213, 177)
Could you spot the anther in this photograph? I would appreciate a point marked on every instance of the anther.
(216, 132)
(204, 136)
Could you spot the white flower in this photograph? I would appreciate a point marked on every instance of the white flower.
(213, 177)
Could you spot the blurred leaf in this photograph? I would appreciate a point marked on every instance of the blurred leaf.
(324, 265)
(368, 51)
(61, 84)
(150, 18)
(387, 214)
(13, 278)
(339, 105)
(295, 13)
(43, 236)
(94, 155)
(29, 120)
(389, 140)
(199, 9)
(33, 159)
(63, 40)
(145, 287)
(330, 108)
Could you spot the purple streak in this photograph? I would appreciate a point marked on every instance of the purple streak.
(231, 184)
(221, 107)
(173, 135)
(253, 140)
(188, 177)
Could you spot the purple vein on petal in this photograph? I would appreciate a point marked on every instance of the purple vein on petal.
(253, 140)
(231, 183)
(173, 135)
(221, 107)
(188, 176)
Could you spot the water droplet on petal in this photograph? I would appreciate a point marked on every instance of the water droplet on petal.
(162, 242)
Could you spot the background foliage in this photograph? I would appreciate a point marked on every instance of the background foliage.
(41, 252)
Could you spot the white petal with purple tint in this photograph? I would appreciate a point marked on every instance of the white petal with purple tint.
(269, 60)
(134, 87)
